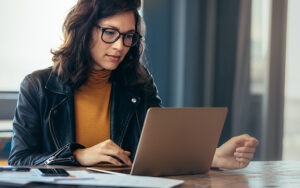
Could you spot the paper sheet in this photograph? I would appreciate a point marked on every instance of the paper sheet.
(123, 180)
(82, 177)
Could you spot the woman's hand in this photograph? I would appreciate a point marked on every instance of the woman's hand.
(102, 152)
(236, 153)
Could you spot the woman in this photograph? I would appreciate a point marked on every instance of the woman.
(90, 106)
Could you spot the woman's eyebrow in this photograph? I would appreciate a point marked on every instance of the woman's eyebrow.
(113, 27)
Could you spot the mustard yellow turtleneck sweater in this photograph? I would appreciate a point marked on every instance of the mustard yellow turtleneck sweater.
(92, 109)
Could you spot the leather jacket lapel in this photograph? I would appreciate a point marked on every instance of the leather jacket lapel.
(123, 107)
(61, 115)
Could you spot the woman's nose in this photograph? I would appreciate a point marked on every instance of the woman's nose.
(118, 44)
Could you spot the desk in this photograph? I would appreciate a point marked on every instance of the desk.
(257, 174)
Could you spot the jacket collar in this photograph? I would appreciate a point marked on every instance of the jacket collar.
(54, 85)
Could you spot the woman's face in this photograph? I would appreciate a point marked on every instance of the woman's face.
(109, 56)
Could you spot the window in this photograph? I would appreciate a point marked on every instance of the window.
(291, 139)
(260, 33)
(29, 30)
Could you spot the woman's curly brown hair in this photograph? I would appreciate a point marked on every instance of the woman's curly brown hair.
(73, 61)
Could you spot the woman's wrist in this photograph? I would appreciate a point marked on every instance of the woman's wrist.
(215, 163)
(77, 154)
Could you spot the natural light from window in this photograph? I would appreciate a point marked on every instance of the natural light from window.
(29, 30)
(291, 139)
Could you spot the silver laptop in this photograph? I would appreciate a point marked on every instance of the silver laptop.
(177, 141)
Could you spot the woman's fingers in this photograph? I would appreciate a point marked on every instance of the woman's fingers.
(246, 149)
(252, 142)
(106, 158)
(246, 140)
(127, 153)
(247, 156)
(245, 152)
(106, 151)
(110, 144)
(120, 154)
(243, 162)
(108, 147)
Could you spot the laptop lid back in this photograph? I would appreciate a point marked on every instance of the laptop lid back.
(178, 141)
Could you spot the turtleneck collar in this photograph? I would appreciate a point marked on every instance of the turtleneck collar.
(97, 77)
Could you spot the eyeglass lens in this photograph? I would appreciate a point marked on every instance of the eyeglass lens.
(111, 35)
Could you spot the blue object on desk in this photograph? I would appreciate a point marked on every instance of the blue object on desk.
(6, 147)
(4, 151)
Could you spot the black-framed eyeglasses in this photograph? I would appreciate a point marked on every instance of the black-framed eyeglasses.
(111, 35)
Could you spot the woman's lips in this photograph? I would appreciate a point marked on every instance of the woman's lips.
(113, 58)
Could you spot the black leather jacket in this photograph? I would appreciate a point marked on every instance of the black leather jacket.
(44, 127)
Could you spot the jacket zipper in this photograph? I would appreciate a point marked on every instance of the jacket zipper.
(53, 136)
(52, 158)
(52, 131)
